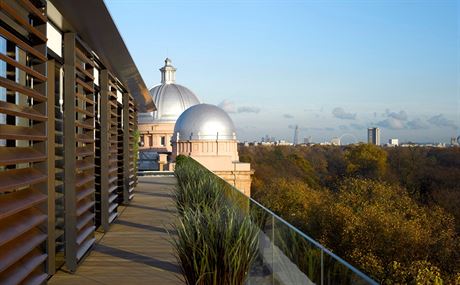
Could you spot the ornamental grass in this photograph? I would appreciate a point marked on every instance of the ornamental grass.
(216, 242)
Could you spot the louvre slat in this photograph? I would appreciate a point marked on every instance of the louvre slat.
(16, 249)
(15, 155)
(84, 138)
(83, 207)
(16, 178)
(113, 169)
(84, 71)
(11, 85)
(112, 207)
(86, 112)
(19, 271)
(113, 196)
(112, 188)
(15, 202)
(87, 124)
(22, 44)
(35, 74)
(113, 179)
(31, 8)
(84, 98)
(15, 225)
(84, 165)
(84, 151)
(85, 233)
(85, 219)
(85, 85)
(112, 217)
(36, 277)
(81, 194)
(82, 179)
(11, 132)
(84, 248)
(20, 20)
(83, 57)
(21, 111)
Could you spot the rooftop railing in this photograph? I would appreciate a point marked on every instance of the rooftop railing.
(289, 256)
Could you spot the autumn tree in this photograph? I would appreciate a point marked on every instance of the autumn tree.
(366, 160)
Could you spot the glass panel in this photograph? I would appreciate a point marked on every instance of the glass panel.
(261, 271)
(288, 256)
(297, 261)
(336, 272)
(54, 39)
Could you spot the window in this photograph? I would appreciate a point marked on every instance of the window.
(163, 141)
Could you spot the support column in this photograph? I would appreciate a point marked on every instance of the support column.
(70, 152)
(51, 170)
(104, 155)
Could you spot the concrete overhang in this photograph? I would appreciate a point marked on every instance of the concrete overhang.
(91, 20)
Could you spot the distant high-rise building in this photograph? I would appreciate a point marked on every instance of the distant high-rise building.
(307, 140)
(393, 142)
(373, 136)
(296, 135)
(454, 141)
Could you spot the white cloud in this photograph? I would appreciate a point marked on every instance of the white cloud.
(341, 114)
(441, 121)
(227, 106)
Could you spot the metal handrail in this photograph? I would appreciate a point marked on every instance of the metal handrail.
(314, 242)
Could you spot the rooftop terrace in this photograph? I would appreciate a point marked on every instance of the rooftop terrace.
(136, 250)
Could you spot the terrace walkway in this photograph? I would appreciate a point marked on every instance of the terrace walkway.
(136, 250)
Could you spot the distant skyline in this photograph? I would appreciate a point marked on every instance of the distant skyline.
(330, 67)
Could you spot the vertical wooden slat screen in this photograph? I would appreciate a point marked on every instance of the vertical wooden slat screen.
(113, 150)
(129, 127)
(120, 154)
(59, 237)
(102, 154)
(79, 142)
(23, 153)
(132, 141)
(107, 160)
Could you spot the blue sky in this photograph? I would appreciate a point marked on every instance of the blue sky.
(330, 67)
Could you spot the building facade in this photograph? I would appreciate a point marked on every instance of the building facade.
(69, 96)
(373, 136)
(156, 128)
(207, 134)
(393, 142)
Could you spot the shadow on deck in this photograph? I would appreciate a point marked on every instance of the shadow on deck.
(137, 248)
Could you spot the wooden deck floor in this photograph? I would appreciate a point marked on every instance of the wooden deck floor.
(136, 250)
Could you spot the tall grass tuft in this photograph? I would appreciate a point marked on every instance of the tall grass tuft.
(216, 241)
(215, 248)
(196, 189)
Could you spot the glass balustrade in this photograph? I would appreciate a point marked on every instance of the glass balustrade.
(289, 256)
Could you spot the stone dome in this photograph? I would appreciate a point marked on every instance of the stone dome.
(171, 99)
(204, 122)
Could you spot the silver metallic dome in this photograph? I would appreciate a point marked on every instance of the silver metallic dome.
(171, 99)
(204, 122)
